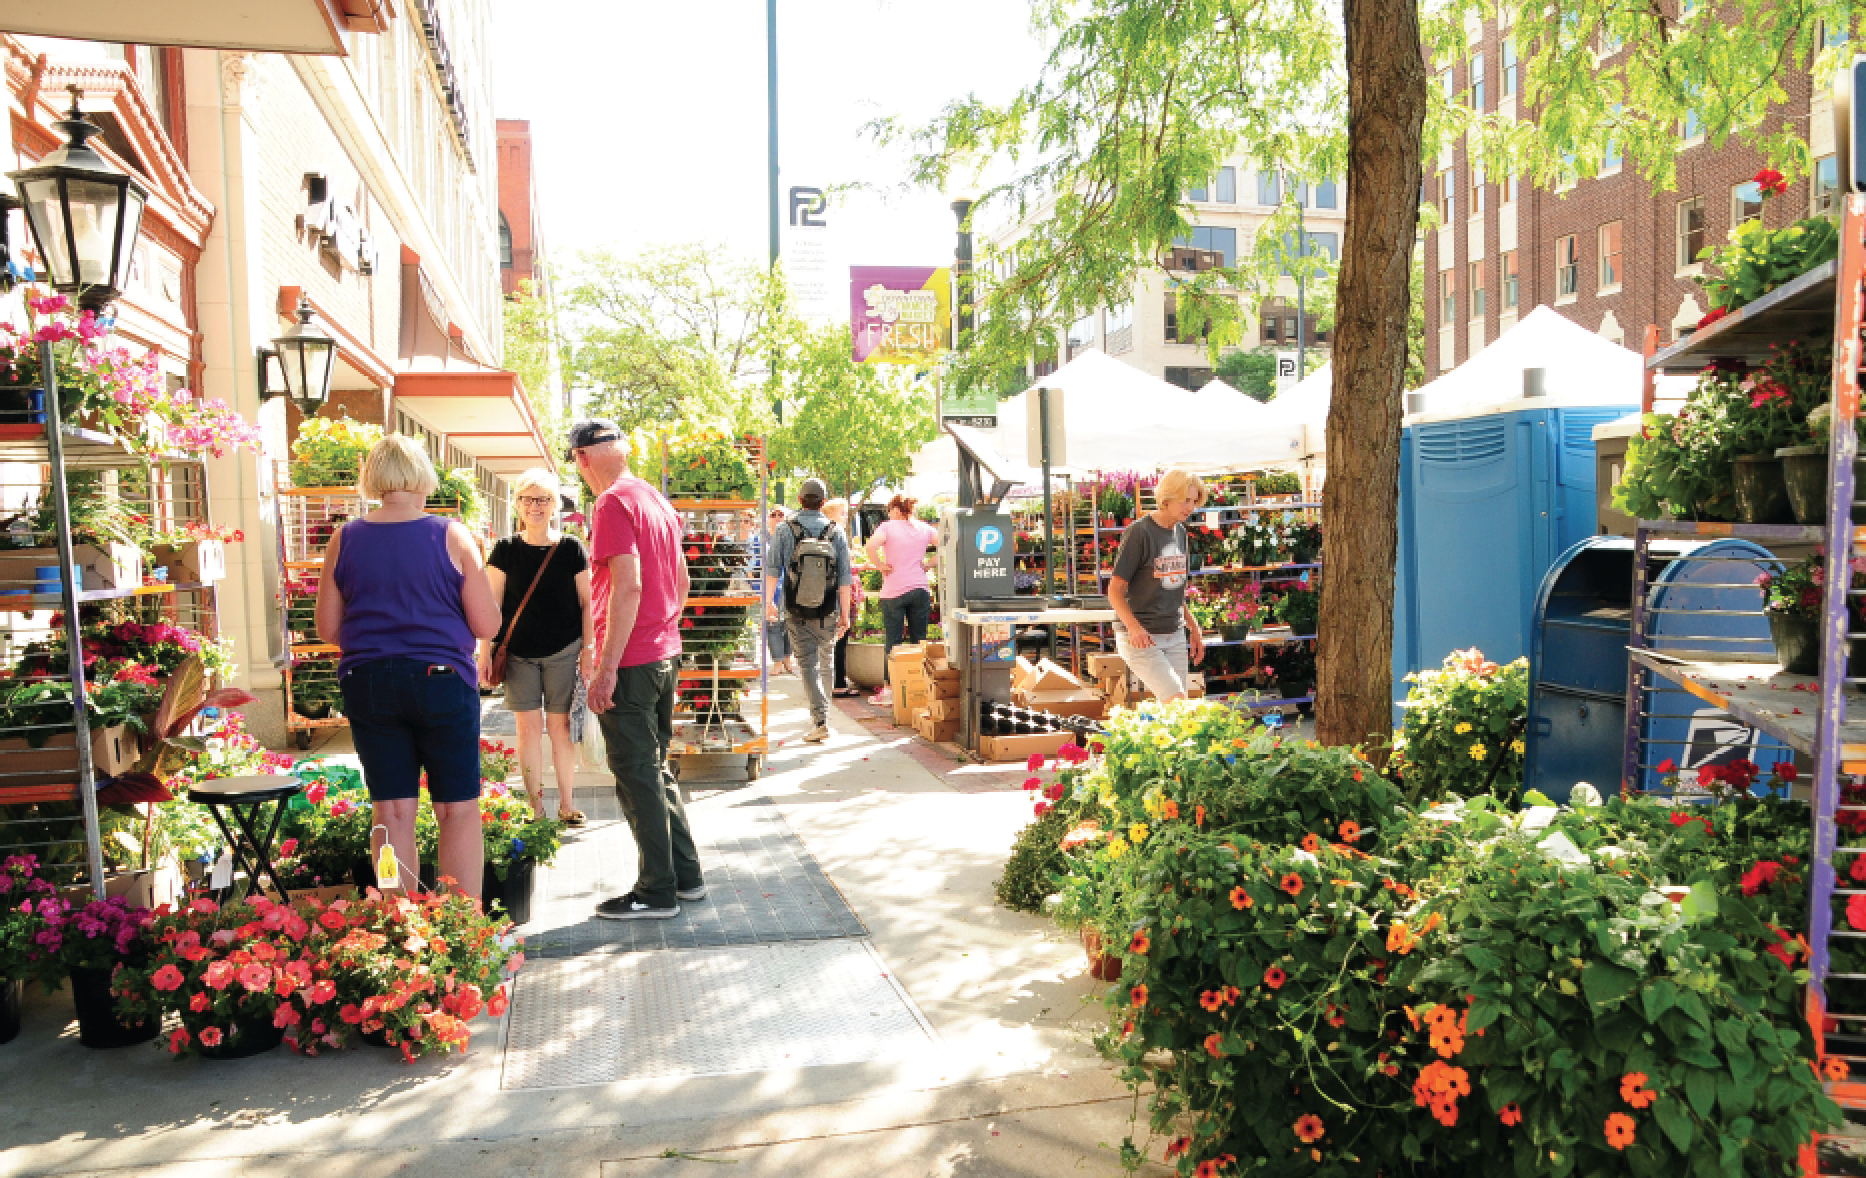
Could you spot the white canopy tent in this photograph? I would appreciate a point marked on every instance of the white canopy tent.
(1545, 357)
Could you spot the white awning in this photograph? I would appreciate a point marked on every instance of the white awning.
(482, 411)
(273, 26)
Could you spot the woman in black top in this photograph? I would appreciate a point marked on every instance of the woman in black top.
(554, 640)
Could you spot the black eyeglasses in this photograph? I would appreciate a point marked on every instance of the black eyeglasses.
(535, 500)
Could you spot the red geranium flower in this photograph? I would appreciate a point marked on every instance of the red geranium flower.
(1772, 182)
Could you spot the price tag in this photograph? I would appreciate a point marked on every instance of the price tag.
(223, 871)
(387, 875)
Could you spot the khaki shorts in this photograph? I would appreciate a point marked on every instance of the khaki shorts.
(549, 683)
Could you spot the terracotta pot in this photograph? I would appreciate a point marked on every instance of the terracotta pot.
(1103, 967)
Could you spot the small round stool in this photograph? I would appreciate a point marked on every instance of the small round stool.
(243, 797)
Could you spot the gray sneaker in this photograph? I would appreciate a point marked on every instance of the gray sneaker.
(627, 907)
(696, 892)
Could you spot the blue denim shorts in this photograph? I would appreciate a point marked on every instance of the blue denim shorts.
(407, 717)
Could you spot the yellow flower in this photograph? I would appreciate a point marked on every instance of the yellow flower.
(1478, 752)
(1116, 848)
(1462, 728)
(1162, 738)
(1517, 747)
(1138, 832)
(1133, 759)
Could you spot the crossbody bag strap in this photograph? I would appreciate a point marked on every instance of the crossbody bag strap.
(526, 600)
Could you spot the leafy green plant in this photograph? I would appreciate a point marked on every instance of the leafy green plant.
(1298, 609)
(1035, 862)
(329, 451)
(457, 490)
(1458, 719)
(1756, 260)
(707, 465)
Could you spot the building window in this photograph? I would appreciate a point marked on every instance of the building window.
(1172, 318)
(1745, 203)
(1509, 190)
(1567, 267)
(1321, 242)
(505, 243)
(1477, 192)
(1292, 327)
(1510, 79)
(1477, 300)
(1448, 297)
(1119, 335)
(1448, 83)
(1477, 82)
(1447, 200)
(1227, 186)
(1610, 256)
(1223, 242)
(1190, 379)
(1690, 231)
(1081, 336)
(1325, 197)
(152, 75)
(1269, 187)
(1267, 329)
(1509, 280)
(1826, 187)
(1201, 193)
(1693, 129)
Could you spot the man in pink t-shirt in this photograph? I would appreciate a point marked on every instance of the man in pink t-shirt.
(638, 589)
(899, 549)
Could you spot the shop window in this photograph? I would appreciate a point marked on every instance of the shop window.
(1509, 281)
(1567, 267)
(1690, 232)
(1745, 203)
(1825, 190)
(1610, 257)
(1227, 186)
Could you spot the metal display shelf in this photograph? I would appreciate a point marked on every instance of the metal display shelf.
(1819, 717)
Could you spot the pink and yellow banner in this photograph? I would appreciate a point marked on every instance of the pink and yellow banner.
(900, 314)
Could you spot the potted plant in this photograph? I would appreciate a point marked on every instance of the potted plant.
(1298, 609)
(517, 841)
(1457, 720)
(328, 452)
(88, 943)
(314, 689)
(1804, 469)
(23, 893)
(1792, 603)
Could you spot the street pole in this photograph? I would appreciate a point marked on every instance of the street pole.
(961, 323)
(771, 104)
(1302, 325)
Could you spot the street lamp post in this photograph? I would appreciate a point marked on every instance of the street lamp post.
(85, 215)
(306, 355)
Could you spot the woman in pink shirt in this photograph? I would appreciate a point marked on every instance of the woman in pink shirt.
(899, 549)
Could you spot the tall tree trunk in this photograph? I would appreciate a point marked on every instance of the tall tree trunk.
(1360, 508)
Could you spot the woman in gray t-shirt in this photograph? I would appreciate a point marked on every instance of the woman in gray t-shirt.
(1154, 634)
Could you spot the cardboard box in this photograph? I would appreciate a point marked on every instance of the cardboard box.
(1079, 702)
(324, 895)
(944, 709)
(197, 562)
(943, 688)
(1021, 671)
(113, 751)
(934, 650)
(939, 669)
(937, 731)
(119, 566)
(1050, 676)
(1019, 748)
(1106, 666)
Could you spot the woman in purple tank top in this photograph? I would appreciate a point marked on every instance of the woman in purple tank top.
(404, 596)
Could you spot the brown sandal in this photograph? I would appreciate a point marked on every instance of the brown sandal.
(574, 818)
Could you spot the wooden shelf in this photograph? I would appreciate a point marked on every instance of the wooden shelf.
(1763, 696)
(28, 602)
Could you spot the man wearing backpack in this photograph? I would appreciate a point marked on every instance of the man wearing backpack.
(811, 555)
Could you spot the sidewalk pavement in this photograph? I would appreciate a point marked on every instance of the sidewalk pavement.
(1008, 1084)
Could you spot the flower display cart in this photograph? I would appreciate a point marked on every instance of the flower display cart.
(722, 660)
(66, 723)
(308, 518)
(1817, 719)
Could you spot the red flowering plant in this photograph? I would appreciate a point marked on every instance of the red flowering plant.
(1756, 259)
(1796, 590)
(498, 761)
(25, 893)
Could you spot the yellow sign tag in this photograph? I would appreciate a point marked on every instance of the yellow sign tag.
(387, 874)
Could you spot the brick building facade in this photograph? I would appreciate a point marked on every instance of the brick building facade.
(521, 232)
(1607, 251)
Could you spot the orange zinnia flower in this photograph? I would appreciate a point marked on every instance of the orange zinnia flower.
(1240, 899)
(1311, 844)
(1511, 1115)
(1400, 939)
(1309, 1128)
(1350, 830)
(1292, 883)
(1139, 944)
(1169, 810)
(1274, 978)
(1198, 815)
(1620, 1130)
(1632, 1090)
(1138, 995)
(1212, 999)
(1215, 1045)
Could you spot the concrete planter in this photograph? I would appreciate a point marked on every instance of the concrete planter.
(867, 664)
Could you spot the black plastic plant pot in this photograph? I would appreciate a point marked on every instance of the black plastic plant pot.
(1804, 470)
(251, 1037)
(513, 893)
(1761, 492)
(1797, 643)
(12, 998)
(98, 1025)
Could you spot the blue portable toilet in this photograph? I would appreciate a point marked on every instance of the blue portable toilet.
(1578, 662)
(1496, 482)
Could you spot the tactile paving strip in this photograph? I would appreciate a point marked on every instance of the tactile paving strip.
(762, 886)
(605, 1017)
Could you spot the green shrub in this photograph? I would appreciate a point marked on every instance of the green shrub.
(1457, 720)
(1036, 860)
(329, 451)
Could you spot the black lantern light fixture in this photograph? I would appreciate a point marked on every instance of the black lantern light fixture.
(84, 214)
(305, 356)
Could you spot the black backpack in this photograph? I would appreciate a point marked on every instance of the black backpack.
(810, 581)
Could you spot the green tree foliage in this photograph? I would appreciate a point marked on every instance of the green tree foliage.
(1253, 373)
(1139, 101)
(855, 426)
(532, 335)
(679, 333)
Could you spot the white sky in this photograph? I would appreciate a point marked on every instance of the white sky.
(649, 117)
